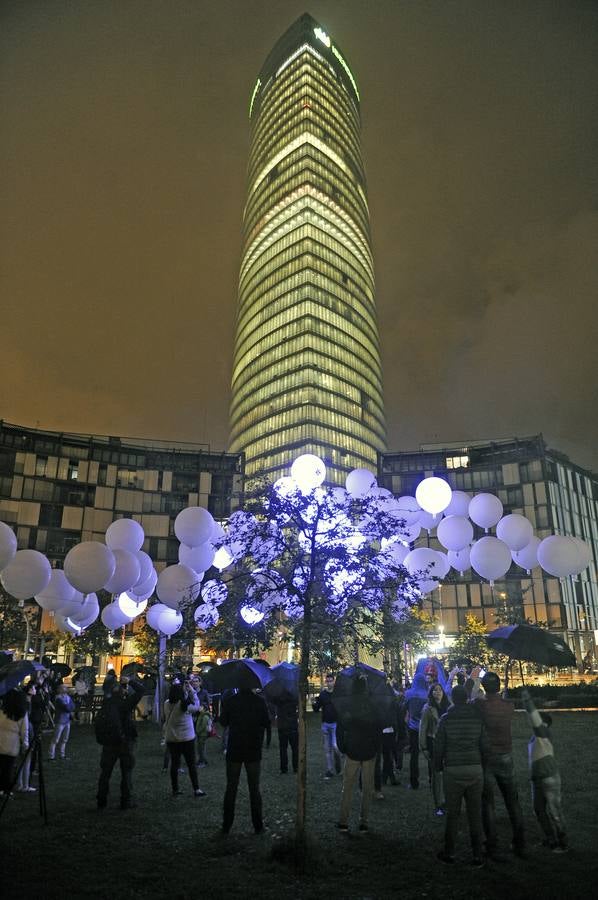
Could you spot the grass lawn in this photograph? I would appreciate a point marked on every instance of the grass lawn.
(168, 847)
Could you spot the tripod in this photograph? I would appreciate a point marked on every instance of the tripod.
(36, 744)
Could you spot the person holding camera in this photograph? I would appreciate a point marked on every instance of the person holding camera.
(118, 738)
(179, 734)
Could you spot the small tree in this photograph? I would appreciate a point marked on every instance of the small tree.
(321, 557)
(471, 643)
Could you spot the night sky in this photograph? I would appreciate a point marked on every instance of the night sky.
(123, 148)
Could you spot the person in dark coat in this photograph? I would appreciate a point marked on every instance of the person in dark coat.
(323, 703)
(245, 715)
(287, 723)
(359, 736)
(120, 708)
(460, 749)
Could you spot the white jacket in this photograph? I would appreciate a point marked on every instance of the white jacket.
(179, 725)
(14, 736)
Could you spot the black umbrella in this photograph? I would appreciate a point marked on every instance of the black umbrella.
(5, 658)
(137, 668)
(238, 673)
(60, 669)
(286, 679)
(532, 644)
(13, 673)
(378, 690)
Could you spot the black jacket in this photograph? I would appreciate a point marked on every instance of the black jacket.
(120, 711)
(461, 739)
(324, 702)
(246, 716)
(359, 730)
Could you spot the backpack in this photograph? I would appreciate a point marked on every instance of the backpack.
(107, 726)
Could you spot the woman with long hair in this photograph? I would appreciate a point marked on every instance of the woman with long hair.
(14, 736)
(179, 734)
(437, 705)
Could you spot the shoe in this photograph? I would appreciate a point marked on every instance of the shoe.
(439, 811)
(199, 793)
(29, 790)
(201, 765)
(379, 795)
(342, 827)
(329, 775)
(477, 862)
(560, 848)
(363, 827)
(445, 858)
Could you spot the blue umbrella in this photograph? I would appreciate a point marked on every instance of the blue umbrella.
(286, 679)
(14, 673)
(378, 688)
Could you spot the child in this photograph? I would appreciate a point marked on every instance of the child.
(64, 709)
(545, 778)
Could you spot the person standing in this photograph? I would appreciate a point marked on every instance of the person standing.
(497, 715)
(436, 707)
(24, 774)
(14, 737)
(323, 703)
(64, 710)
(460, 747)
(415, 698)
(360, 739)
(287, 723)
(179, 734)
(119, 736)
(245, 715)
(545, 777)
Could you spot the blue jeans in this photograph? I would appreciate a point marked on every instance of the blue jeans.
(331, 751)
(546, 795)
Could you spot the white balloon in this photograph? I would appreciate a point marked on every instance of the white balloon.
(89, 565)
(395, 551)
(455, 532)
(407, 508)
(88, 612)
(459, 505)
(113, 617)
(146, 567)
(527, 558)
(63, 623)
(443, 565)
(8, 545)
(206, 616)
(194, 526)
(490, 558)
(151, 616)
(125, 534)
(218, 534)
(169, 622)
(515, 530)
(176, 584)
(56, 593)
(433, 495)
(129, 606)
(459, 560)
(308, 472)
(560, 556)
(585, 553)
(73, 608)
(26, 575)
(409, 533)
(485, 510)
(197, 558)
(427, 520)
(214, 592)
(423, 559)
(145, 590)
(223, 558)
(359, 482)
(126, 572)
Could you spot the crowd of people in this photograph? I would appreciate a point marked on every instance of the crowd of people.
(459, 723)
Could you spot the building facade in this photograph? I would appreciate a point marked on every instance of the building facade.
(557, 497)
(306, 370)
(57, 489)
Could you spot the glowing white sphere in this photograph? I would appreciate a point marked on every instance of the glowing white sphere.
(194, 526)
(285, 487)
(308, 471)
(8, 545)
(433, 495)
(407, 508)
(223, 558)
(490, 558)
(89, 565)
(126, 571)
(129, 605)
(560, 556)
(197, 558)
(26, 575)
(459, 505)
(455, 532)
(359, 482)
(251, 615)
(459, 560)
(169, 622)
(485, 510)
(125, 534)
(515, 530)
(57, 593)
(176, 584)
(527, 558)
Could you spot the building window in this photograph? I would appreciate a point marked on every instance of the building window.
(457, 462)
(41, 463)
(73, 470)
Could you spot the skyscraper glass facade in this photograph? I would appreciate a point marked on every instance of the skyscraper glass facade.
(306, 371)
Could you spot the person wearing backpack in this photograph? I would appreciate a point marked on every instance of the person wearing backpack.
(116, 732)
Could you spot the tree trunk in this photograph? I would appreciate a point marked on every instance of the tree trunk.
(302, 762)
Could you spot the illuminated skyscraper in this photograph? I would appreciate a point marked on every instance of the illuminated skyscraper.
(306, 372)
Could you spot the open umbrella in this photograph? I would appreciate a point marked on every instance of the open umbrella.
(137, 668)
(13, 673)
(60, 670)
(378, 690)
(285, 680)
(87, 673)
(533, 644)
(238, 673)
